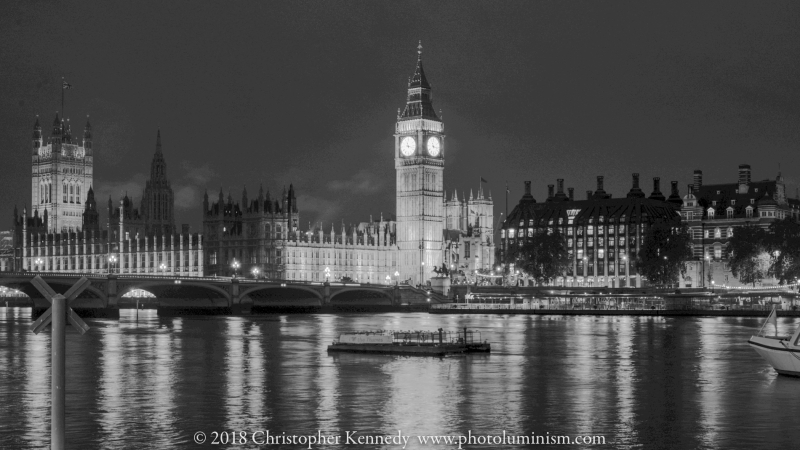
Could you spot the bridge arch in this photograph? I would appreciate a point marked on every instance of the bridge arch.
(358, 295)
(273, 295)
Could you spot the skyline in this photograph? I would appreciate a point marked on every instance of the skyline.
(580, 97)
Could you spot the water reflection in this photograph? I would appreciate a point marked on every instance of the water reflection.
(642, 382)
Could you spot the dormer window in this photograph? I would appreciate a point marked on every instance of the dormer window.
(752, 201)
(733, 202)
(714, 203)
(756, 189)
(729, 212)
(710, 213)
(718, 192)
(749, 211)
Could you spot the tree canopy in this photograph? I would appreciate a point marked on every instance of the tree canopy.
(664, 252)
(783, 245)
(747, 250)
(543, 256)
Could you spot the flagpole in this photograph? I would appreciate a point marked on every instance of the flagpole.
(506, 198)
(62, 100)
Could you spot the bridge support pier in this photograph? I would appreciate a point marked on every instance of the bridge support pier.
(326, 294)
(239, 306)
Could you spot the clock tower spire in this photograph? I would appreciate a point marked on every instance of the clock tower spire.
(419, 163)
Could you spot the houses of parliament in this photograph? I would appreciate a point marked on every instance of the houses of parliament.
(62, 231)
(430, 231)
(260, 235)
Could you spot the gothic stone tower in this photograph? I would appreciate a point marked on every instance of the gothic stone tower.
(158, 200)
(61, 175)
(419, 162)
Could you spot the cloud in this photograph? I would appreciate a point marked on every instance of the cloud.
(319, 210)
(197, 175)
(362, 182)
(187, 197)
(117, 189)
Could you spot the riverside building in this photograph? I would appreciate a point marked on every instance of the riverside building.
(712, 213)
(603, 234)
(428, 231)
(134, 242)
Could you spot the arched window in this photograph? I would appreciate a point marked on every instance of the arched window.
(717, 233)
(71, 193)
(77, 194)
(710, 213)
(65, 193)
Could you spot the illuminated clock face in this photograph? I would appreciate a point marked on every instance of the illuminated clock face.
(408, 145)
(433, 146)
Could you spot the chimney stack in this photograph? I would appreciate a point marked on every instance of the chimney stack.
(527, 188)
(599, 183)
(657, 195)
(744, 174)
(571, 194)
(635, 191)
(698, 180)
(588, 195)
(549, 192)
(674, 195)
(560, 185)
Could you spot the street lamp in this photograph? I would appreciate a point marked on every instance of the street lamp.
(163, 268)
(388, 279)
(396, 277)
(327, 274)
(255, 272)
(111, 261)
(235, 266)
(38, 263)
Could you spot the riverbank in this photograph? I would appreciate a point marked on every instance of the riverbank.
(498, 309)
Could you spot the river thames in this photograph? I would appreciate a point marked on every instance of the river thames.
(640, 382)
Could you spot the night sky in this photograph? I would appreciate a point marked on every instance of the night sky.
(307, 93)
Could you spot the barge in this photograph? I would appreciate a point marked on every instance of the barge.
(412, 343)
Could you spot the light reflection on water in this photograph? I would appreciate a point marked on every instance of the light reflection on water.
(642, 382)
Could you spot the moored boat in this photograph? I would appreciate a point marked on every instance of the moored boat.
(419, 343)
(782, 352)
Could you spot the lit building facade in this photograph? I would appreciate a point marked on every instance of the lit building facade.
(712, 213)
(264, 239)
(603, 234)
(132, 243)
(61, 174)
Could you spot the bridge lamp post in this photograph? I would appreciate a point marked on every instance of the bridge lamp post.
(396, 277)
(111, 261)
(255, 272)
(388, 279)
(327, 274)
(38, 263)
(235, 266)
(163, 268)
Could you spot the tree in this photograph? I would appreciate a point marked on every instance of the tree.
(783, 246)
(543, 256)
(746, 248)
(664, 252)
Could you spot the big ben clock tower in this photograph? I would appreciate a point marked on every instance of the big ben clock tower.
(419, 161)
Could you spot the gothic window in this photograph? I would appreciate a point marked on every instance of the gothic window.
(77, 194)
(65, 193)
(71, 193)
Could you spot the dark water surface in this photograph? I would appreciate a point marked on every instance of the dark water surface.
(641, 382)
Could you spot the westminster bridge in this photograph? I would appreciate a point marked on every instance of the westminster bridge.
(217, 295)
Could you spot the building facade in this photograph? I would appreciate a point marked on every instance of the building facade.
(131, 243)
(262, 237)
(603, 234)
(712, 213)
(61, 174)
